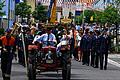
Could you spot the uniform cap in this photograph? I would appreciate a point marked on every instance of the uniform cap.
(8, 30)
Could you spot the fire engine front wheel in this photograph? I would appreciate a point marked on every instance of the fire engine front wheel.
(66, 73)
(31, 72)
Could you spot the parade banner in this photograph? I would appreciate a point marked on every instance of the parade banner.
(53, 12)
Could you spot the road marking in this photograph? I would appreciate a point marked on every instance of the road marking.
(113, 63)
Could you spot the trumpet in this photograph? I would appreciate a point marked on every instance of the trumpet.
(16, 26)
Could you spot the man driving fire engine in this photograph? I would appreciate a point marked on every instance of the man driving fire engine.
(47, 39)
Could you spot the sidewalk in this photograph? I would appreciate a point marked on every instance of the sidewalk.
(114, 59)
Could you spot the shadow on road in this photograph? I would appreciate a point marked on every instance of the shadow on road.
(61, 79)
(55, 77)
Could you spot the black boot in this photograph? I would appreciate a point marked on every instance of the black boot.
(7, 78)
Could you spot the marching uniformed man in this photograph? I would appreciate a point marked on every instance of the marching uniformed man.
(104, 49)
(19, 46)
(97, 48)
(92, 37)
(85, 46)
(8, 47)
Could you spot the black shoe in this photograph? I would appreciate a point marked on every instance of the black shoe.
(101, 68)
(96, 67)
(83, 63)
(105, 68)
(87, 64)
(91, 65)
(6, 78)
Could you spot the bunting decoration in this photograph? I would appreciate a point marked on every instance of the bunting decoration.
(58, 3)
(71, 3)
(67, 3)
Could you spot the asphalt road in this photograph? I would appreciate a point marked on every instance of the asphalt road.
(79, 72)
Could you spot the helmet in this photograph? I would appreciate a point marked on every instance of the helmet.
(49, 26)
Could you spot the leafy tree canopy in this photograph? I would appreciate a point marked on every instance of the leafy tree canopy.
(23, 9)
(40, 13)
(87, 15)
(1, 6)
(111, 15)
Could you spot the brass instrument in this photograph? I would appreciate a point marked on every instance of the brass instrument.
(15, 28)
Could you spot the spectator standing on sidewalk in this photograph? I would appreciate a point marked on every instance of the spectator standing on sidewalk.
(73, 35)
(79, 37)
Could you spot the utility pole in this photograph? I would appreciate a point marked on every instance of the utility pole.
(9, 13)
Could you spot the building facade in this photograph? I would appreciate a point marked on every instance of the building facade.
(101, 4)
(75, 6)
(9, 10)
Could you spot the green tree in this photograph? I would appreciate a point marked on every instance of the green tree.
(87, 15)
(99, 17)
(40, 13)
(1, 6)
(117, 3)
(23, 9)
(111, 15)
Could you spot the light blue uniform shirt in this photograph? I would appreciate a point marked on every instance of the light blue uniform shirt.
(44, 39)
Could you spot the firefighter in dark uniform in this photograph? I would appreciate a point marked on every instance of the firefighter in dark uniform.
(19, 45)
(104, 49)
(8, 48)
(29, 37)
(97, 48)
(85, 46)
(92, 37)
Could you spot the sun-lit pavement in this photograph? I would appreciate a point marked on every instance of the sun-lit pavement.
(79, 71)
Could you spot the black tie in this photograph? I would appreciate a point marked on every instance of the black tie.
(48, 40)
